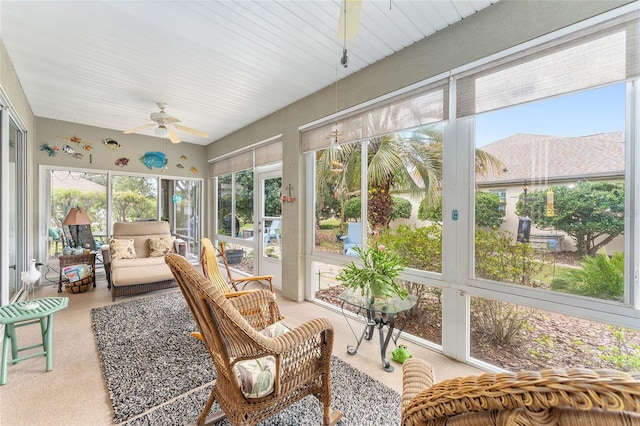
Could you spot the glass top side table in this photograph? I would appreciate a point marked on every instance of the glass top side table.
(379, 313)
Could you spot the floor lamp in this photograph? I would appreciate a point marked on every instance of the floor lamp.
(75, 218)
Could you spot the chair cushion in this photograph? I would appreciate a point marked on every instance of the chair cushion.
(257, 376)
(158, 247)
(122, 249)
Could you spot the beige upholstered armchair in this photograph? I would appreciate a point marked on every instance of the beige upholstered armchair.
(134, 258)
(259, 373)
(551, 397)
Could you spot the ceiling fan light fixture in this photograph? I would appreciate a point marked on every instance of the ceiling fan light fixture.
(161, 131)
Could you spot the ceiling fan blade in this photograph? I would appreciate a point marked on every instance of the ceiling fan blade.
(349, 17)
(135, 129)
(192, 131)
(173, 136)
(171, 120)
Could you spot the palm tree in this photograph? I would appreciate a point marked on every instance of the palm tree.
(395, 162)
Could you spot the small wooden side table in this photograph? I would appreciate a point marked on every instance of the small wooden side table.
(13, 317)
(77, 259)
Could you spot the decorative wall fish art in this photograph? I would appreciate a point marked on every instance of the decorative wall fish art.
(155, 159)
(183, 157)
(87, 147)
(68, 149)
(74, 139)
(111, 143)
(52, 150)
(122, 162)
(180, 166)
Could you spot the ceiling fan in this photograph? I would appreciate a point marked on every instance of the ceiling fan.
(167, 125)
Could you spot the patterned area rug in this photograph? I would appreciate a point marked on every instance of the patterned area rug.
(157, 374)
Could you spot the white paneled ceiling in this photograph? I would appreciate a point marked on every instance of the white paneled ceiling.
(219, 65)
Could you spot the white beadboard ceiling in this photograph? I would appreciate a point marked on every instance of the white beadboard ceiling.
(219, 65)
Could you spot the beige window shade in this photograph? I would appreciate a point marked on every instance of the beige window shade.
(603, 54)
(268, 153)
(259, 156)
(410, 110)
(234, 163)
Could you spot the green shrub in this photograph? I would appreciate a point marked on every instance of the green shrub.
(353, 208)
(431, 210)
(419, 247)
(488, 210)
(498, 258)
(401, 208)
(601, 277)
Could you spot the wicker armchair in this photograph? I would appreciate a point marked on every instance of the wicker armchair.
(302, 355)
(211, 269)
(551, 397)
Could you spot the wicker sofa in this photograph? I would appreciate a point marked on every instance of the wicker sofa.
(134, 258)
(550, 397)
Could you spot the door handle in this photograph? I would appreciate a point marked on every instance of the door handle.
(12, 267)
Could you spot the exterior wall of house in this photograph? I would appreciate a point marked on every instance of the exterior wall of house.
(511, 23)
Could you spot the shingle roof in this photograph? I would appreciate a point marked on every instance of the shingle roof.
(541, 157)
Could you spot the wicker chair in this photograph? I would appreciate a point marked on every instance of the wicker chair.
(551, 397)
(211, 269)
(302, 355)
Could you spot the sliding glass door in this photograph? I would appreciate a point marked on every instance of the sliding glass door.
(13, 208)
(109, 198)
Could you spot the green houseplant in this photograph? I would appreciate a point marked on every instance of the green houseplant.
(376, 274)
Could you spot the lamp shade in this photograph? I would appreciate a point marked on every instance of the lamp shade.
(77, 216)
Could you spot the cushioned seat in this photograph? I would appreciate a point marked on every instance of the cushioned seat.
(134, 258)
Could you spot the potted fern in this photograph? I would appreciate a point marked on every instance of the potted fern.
(376, 273)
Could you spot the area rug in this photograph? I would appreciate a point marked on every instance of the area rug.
(157, 374)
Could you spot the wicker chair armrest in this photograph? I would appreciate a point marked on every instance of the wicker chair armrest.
(305, 332)
(417, 375)
(575, 389)
(238, 293)
(180, 246)
(258, 307)
(258, 278)
(106, 254)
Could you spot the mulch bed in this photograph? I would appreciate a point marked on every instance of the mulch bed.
(549, 340)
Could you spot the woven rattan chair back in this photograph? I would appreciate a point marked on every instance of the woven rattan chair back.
(573, 397)
(210, 267)
(229, 328)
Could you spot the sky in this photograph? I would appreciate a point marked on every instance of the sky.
(586, 113)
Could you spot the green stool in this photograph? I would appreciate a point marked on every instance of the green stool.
(13, 317)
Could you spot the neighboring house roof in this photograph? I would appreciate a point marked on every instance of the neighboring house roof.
(68, 180)
(552, 158)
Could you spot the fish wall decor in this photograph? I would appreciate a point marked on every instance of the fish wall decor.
(155, 159)
(122, 162)
(111, 143)
(52, 150)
